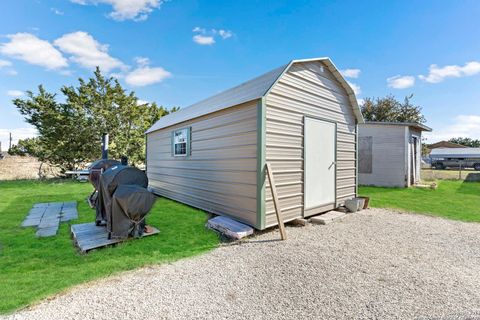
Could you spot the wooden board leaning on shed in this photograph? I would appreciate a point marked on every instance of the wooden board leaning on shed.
(276, 203)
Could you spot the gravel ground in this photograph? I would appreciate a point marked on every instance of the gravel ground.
(376, 264)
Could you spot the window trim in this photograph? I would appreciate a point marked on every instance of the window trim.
(188, 143)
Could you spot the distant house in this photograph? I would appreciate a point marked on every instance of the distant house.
(444, 144)
(301, 118)
(390, 153)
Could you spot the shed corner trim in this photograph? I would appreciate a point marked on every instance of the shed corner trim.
(261, 149)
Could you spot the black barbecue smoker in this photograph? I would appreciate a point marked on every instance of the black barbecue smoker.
(120, 198)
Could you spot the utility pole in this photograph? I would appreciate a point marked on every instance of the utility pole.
(10, 144)
(105, 146)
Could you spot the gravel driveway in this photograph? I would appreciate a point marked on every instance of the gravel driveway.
(374, 264)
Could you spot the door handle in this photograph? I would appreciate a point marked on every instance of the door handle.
(333, 163)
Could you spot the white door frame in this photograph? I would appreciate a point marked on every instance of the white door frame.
(415, 157)
(328, 206)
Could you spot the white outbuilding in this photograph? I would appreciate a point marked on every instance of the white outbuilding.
(390, 153)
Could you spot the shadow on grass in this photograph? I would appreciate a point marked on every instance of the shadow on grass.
(380, 189)
(473, 177)
(470, 187)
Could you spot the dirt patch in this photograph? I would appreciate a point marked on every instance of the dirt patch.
(17, 167)
(447, 174)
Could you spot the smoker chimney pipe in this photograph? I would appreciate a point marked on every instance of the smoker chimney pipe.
(105, 146)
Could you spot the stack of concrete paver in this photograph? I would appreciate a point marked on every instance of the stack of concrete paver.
(229, 227)
(47, 216)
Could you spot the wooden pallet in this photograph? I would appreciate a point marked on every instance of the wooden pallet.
(88, 236)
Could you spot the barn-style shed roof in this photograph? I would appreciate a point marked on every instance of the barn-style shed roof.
(248, 91)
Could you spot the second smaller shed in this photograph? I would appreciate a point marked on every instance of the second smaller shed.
(390, 153)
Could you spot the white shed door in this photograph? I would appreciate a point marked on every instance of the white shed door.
(319, 168)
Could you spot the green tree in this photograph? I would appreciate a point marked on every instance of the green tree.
(28, 146)
(467, 142)
(389, 109)
(63, 137)
(70, 132)
(111, 109)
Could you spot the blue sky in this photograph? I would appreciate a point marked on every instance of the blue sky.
(178, 52)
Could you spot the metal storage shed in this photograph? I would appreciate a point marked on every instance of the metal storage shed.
(390, 153)
(302, 118)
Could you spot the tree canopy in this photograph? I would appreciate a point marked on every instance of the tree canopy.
(70, 132)
(467, 142)
(28, 146)
(389, 109)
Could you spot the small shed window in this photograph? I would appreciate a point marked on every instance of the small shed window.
(365, 156)
(181, 142)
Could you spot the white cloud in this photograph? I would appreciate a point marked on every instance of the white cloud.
(56, 11)
(198, 29)
(142, 61)
(6, 67)
(144, 76)
(360, 102)
(205, 37)
(355, 87)
(438, 74)
(141, 102)
(118, 75)
(137, 10)
(5, 63)
(401, 82)
(18, 133)
(225, 34)
(203, 40)
(15, 93)
(461, 126)
(350, 73)
(29, 48)
(87, 52)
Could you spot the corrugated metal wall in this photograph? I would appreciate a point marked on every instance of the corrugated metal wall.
(220, 176)
(306, 89)
(389, 157)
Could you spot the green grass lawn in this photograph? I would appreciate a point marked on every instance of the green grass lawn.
(31, 268)
(452, 199)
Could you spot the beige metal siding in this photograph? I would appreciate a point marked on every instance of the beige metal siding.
(306, 89)
(389, 155)
(220, 175)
